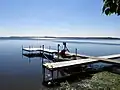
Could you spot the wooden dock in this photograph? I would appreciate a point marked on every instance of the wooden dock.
(56, 66)
(61, 63)
(64, 64)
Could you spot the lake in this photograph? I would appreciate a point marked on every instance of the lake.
(20, 73)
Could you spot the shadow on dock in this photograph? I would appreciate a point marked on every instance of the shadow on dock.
(70, 79)
(72, 75)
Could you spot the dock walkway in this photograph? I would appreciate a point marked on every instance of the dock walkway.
(73, 63)
(40, 49)
(110, 56)
(111, 61)
(63, 64)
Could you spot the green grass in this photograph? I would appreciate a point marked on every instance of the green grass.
(99, 81)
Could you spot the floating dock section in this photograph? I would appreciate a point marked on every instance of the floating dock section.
(40, 49)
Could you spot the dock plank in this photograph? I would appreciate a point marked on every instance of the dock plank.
(110, 61)
(56, 65)
(40, 49)
(110, 56)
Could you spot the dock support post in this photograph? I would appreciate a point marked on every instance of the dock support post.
(57, 74)
(58, 50)
(76, 52)
(22, 47)
(29, 49)
(43, 68)
(43, 73)
(42, 54)
(49, 49)
(52, 57)
(52, 75)
(32, 47)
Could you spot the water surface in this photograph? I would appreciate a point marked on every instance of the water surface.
(20, 73)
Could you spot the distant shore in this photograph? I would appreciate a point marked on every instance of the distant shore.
(48, 37)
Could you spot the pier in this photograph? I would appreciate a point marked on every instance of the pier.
(58, 63)
(79, 63)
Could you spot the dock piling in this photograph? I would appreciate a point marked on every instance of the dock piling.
(43, 74)
(42, 54)
(57, 73)
(76, 52)
(58, 50)
(52, 75)
(49, 49)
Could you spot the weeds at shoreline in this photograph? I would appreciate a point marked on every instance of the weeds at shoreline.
(99, 81)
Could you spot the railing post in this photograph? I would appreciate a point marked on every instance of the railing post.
(42, 54)
(49, 49)
(76, 52)
(29, 49)
(44, 74)
(58, 51)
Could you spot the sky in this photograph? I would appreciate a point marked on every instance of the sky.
(79, 18)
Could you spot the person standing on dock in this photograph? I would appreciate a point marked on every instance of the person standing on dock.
(62, 53)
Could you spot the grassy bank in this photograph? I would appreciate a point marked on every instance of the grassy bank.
(99, 81)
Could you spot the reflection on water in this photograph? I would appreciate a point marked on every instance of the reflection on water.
(22, 73)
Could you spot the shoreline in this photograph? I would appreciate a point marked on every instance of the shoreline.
(47, 37)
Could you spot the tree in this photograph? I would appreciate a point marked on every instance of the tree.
(111, 7)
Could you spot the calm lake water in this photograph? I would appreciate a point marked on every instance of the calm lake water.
(20, 73)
